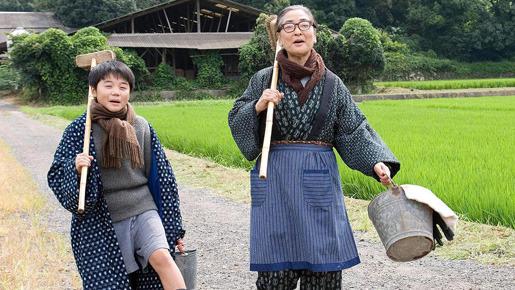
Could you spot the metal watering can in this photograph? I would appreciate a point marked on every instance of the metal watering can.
(187, 264)
(405, 226)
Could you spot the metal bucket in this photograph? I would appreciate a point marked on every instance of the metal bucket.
(405, 226)
(187, 264)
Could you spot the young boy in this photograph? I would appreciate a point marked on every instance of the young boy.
(132, 215)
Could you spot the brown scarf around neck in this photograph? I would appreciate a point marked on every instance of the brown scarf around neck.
(292, 73)
(121, 142)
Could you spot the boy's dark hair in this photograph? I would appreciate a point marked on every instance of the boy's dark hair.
(111, 67)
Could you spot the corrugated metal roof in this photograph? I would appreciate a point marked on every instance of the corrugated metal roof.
(201, 41)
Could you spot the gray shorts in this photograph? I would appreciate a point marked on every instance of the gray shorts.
(139, 236)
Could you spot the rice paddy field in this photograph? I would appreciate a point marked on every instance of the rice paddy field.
(450, 84)
(462, 149)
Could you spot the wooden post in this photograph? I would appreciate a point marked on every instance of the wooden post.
(198, 17)
(228, 20)
(132, 25)
(168, 21)
(188, 27)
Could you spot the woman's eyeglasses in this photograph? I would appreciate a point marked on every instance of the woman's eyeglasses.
(303, 26)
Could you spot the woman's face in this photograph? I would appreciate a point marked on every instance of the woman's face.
(297, 43)
(113, 93)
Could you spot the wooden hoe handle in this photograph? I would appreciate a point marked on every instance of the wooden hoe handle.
(269, 119)
(85, 148)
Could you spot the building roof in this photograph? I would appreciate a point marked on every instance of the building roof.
(226, 4)
(30, 21)
(201, 41)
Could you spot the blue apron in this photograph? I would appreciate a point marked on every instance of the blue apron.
(298, 216)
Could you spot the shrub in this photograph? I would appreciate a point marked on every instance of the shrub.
(46, 64)
(257, 53)
(236, 88)
(209, 66)
(183, 84)
(8, 78)
(423, 67)
(363, 53)
(164, 77)
(136, 64)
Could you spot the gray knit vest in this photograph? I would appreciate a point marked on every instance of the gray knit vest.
(125, 189)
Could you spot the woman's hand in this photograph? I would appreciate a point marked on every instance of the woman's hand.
(383, 172)
(268, 95)
(82, 160)
(181, 246)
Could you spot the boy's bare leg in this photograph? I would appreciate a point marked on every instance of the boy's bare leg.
(165, 266)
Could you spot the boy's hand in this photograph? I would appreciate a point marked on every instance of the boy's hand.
(181, 246)
(82, 160)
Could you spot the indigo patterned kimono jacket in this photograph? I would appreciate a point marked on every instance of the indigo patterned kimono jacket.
(94, 242)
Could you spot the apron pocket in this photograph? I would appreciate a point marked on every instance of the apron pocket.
(317, 188)
(258, 189)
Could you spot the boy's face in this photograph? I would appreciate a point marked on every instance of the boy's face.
(112, 92)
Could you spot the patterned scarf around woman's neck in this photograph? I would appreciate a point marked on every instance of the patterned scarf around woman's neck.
(121, 142)
(292, 73)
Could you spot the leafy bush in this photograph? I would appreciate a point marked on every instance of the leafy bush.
(183, 84)
(257, 53)
(356, 55)
(425, 67)
(236, 88)
(164, 77)
(363, 53)
(136, 64)
(8, 78)
(209, 70)
(485, 69)
(331, 49)
(46, 64)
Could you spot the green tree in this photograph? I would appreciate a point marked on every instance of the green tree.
(46, 63)
(363, 54)
(330, 47)
(44, 5)
(257, 53)
(15, 5)
(82, 13)
(276, 6)
(332, 13)
(142, 4)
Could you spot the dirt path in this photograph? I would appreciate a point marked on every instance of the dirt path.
(218, 228)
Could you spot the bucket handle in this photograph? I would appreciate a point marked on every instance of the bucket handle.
(392, 183)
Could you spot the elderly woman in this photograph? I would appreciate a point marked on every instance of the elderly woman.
(299, 224)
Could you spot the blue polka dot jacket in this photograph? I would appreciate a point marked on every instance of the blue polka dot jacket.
(95, 247)
(345, 126)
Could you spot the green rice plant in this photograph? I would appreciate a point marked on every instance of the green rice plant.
(461, 149)
(450, 84)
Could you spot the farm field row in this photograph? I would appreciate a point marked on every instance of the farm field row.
(461, 149)
(450, 84)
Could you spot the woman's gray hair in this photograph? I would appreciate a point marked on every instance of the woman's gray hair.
(280, 16)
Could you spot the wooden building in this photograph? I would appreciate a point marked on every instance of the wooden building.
(177, 31)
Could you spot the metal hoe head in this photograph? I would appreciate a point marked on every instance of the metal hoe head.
(84, 60)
